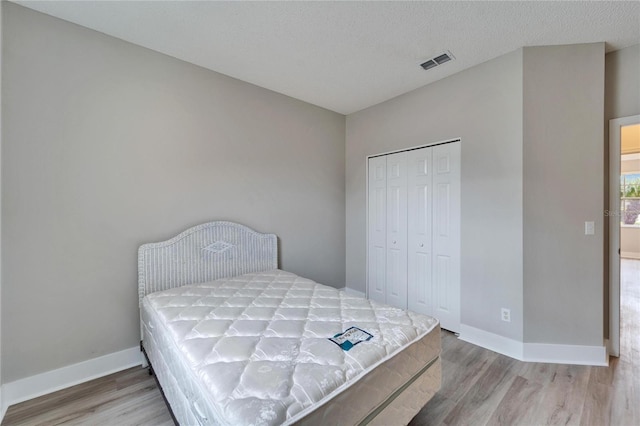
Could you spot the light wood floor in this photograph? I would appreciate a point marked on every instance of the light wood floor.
(479, 387)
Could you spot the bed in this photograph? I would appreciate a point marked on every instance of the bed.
(233, 340)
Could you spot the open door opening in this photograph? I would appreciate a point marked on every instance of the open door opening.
(624, 234)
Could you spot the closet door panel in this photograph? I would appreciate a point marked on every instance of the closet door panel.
(419, 273)
(377, 232)
(442, 280)
(414, 231)
(396, 283)
(446, 235)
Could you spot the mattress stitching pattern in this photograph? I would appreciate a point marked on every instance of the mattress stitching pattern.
(258, 343)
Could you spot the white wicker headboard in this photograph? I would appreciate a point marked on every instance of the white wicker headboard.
(204, 253)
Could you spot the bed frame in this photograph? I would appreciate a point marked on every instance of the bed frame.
(204, 253)
(223, 249)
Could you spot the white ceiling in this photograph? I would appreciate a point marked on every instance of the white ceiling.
(346, 56)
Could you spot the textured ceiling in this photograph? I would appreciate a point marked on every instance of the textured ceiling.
(346, 56)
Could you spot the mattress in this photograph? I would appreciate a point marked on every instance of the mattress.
(255, 349)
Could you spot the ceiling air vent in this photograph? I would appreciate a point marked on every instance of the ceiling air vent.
(437, 60)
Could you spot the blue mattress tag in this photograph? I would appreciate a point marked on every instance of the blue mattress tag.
(351, 337)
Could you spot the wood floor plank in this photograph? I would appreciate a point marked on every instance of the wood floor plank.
(597, 405)
(564, 396)
(463, 366)
(625, 398)
(434, 412)
(511, 410)
(127, 398)
(478, 404)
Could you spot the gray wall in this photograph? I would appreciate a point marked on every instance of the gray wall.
(106, 146)
(532, 174)
(483, 106)
(622, 84)
(563, 188)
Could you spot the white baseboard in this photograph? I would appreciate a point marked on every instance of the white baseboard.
(536, 352)
(352, 291)
(61, 378)
(566, 354)
(493, 342)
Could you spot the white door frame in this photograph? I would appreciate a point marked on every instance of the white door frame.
(614, 229)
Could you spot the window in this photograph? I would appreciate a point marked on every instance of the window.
(630, 199)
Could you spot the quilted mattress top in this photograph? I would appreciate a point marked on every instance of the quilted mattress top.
(260, 342)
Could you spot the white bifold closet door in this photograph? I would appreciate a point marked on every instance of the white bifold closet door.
(377, 233)
(396, 283)
(434, 233)
(414, 231)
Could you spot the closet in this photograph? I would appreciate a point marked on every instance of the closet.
(413, 237)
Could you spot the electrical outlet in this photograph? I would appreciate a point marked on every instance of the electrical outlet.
(506, 315)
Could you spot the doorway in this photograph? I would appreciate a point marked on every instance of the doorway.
(624, 230)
